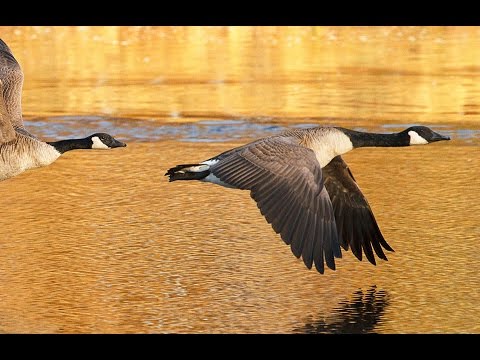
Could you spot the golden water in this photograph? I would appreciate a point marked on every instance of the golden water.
(101, 242)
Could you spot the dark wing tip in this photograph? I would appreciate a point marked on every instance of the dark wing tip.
(386, 246)
(358, 228)
(308, 264)
(331, 265)
(320, 268)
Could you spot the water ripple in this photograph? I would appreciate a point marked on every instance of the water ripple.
(207, 130)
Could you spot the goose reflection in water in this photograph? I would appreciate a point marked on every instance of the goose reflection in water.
(359, 315)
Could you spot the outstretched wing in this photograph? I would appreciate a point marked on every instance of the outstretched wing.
(285, 179)
(7, 133)
(357, 227)
(11, 76)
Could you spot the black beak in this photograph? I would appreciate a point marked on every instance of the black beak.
(438, 137)
(117, 143)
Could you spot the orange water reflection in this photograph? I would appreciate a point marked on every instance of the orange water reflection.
(386, 74)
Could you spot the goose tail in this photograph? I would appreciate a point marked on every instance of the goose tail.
(188, 172)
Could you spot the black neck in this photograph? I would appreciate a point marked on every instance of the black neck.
(364, 139)
(71, 144)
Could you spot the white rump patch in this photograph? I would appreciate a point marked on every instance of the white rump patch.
(416, 139)
(198, 168)
(210, 162)
(98, 144)
(215, 180)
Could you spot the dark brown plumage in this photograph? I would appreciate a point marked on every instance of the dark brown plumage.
(286, 182)
(351, 208)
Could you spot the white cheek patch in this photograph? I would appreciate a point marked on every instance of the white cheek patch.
(98, 144)
(416, 139)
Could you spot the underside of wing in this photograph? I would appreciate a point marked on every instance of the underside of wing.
(285, 179)
(357, 227)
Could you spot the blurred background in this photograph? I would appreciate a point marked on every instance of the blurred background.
(101, 242)
(269, 74)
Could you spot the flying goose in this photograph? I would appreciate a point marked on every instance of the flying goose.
(305, 190)
(20, 150)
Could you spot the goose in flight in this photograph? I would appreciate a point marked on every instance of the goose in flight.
(305, 190)
(20, 150)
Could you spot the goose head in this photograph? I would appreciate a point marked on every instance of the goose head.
(421, 135)
(104, 141)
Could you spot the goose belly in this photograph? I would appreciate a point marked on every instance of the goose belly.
(15, 159)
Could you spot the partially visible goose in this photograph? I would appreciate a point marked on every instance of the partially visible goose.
(20, 150)
(305, 190)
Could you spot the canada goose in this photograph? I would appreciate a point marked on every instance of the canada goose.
(305, 190)
(20, 150)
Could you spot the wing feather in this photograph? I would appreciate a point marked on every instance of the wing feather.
(357, 227)
(11, 75)
(285, 179)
